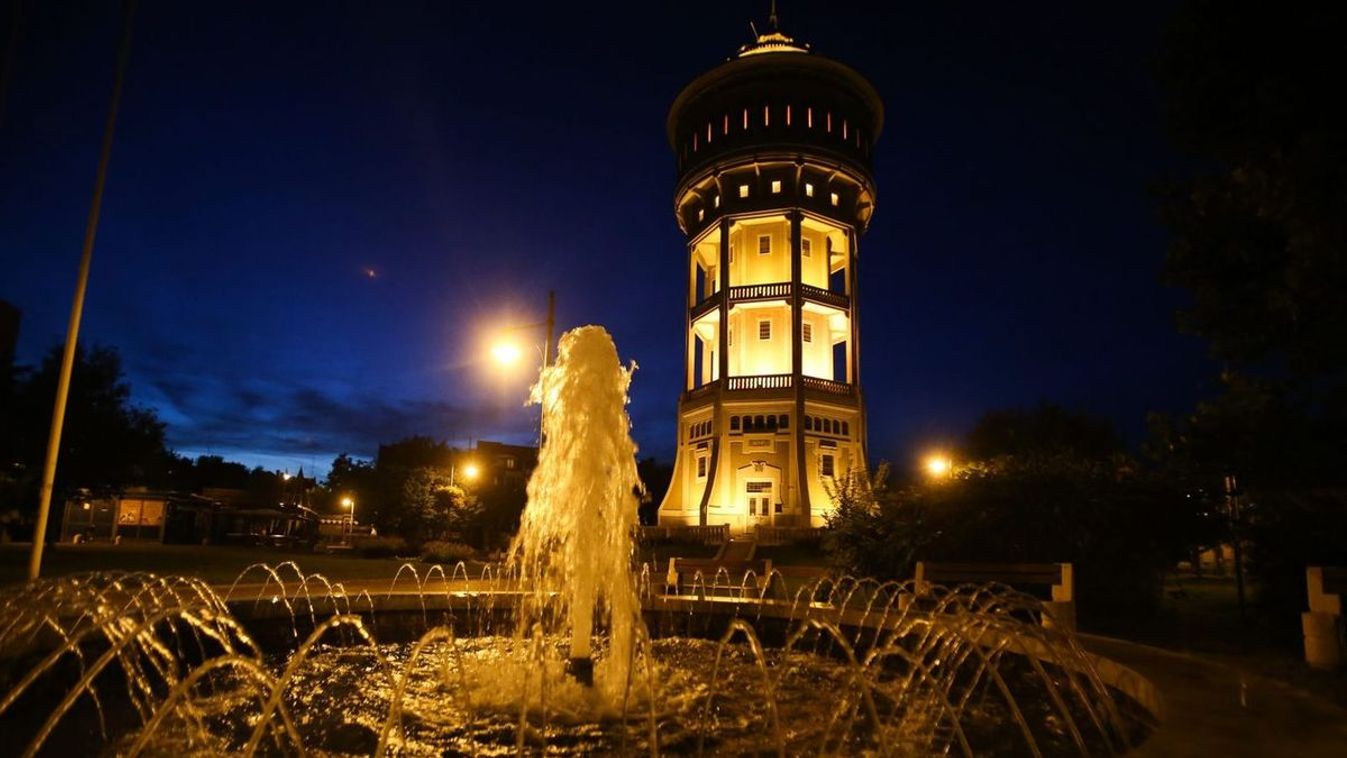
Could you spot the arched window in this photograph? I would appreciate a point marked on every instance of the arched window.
(783, 421)
(734, 423)
(846, 429)
(771, 423)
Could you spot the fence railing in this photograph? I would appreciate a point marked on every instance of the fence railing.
(785, 535)
(711, 534)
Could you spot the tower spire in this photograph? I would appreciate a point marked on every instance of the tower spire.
(772, 19)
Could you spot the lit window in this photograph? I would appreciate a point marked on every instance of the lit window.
(825, 467)
(764, 329)
(694, 142)
(830, 122)
(743, 190)
(708, 131)
(745, 118)
(809, 117)
(844, 128)
(701, 214)
(787, 115)
(808, 189)
(806, 247)
(701, 468)
(725, 126)
(807, 332)
(765, 244)
(834, 199)
(766, 116)
(776, 186)
(716, 201)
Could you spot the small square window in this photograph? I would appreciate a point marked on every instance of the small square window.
(825, 465)
(806, 247)
(776, 186)
(808, 189)
(778, 507)
(834, 198)
(764, 329)
(807, 332)
(743, 190)
(765, 244)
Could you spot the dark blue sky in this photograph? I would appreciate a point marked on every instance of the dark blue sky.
(475, 155)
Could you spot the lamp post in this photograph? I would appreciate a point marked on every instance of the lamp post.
(507, 353)
(348, 503)
(77, 309)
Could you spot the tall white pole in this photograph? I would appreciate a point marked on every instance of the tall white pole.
(77, 310)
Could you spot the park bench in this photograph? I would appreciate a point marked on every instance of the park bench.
(1060, 611)
(1322, 624)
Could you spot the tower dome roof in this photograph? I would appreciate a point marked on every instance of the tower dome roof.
(774, 70)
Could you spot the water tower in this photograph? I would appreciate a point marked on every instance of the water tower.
(774, 191)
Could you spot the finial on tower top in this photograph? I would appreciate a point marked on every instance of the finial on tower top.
(773, 41)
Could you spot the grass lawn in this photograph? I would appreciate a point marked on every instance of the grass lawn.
(215, 564)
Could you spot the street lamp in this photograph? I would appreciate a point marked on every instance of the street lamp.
(470, 472)
(506, 352)
(938, 466)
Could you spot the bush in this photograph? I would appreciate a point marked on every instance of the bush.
(446, 552)
(380, 547)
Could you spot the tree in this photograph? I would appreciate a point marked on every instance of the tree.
(1260, 237)
(107, 442)
(1045, 430)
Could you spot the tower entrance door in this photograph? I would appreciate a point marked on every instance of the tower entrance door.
(762, 498)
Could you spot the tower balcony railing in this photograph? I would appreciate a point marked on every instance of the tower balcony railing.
(826, 386)
(773, 291)
(760, 291)
(826, 297)
(772, 382)
(761, 382)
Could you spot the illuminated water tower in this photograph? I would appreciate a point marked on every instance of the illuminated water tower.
(774, 190)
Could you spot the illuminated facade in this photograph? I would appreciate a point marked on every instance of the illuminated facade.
(774, 190)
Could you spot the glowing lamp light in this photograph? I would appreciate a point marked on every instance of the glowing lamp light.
(347, 502)
(506, 353)
(470, 471)
(938, 466)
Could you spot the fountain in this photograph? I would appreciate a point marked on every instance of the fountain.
(575, 537)
(567, 647)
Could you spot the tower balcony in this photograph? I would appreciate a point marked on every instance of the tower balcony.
(774, 291)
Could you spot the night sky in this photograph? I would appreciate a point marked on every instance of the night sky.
(474, 155)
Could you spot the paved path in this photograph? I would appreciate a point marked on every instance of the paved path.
(1211, 709)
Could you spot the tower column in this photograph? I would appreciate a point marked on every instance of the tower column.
(798, 479)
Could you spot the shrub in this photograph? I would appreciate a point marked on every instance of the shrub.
(446, 552)
(380, 547)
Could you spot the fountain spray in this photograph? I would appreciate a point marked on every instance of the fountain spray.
(575, 541)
